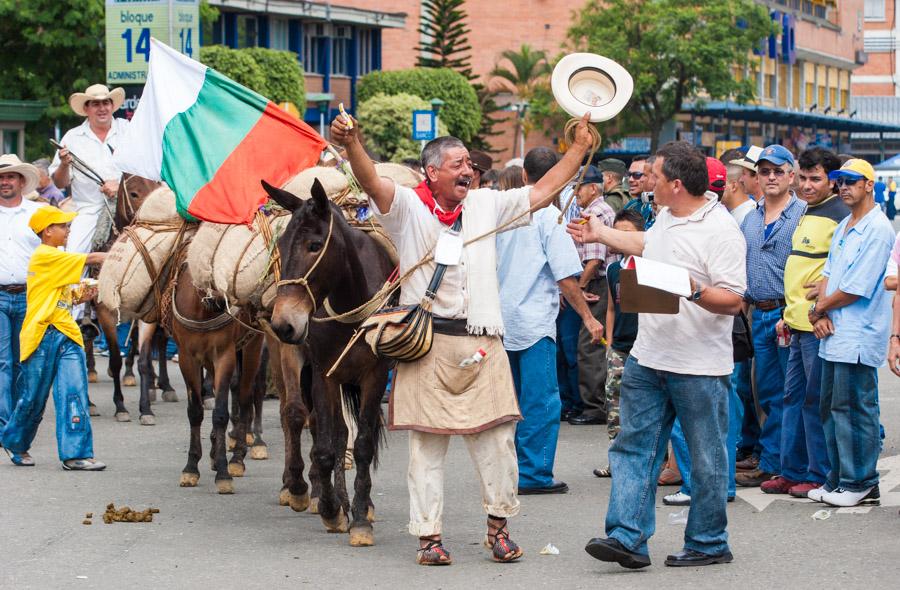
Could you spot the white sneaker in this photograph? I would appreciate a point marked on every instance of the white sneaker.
(816, 494)
(846, 498)
(677, 499)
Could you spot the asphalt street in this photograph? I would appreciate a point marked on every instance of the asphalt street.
(246, 540)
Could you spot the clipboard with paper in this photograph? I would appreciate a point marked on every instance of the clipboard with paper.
(651, 286)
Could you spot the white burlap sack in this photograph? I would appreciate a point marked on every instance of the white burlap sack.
(333, 181)
(125, 283)
(234, 260)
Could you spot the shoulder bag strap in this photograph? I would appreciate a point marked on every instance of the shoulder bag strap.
(440, 269)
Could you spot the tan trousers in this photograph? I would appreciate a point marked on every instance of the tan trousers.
(494, 453)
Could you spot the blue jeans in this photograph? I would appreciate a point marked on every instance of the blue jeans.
(849, 410)
(57, 362)
(803, 454)
(769, 368)
(12, 313)
(534, 375)
(741, 382)
(650, 402)
(683, 456)
(568, 324)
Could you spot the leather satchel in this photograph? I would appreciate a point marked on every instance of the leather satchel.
(406, 333)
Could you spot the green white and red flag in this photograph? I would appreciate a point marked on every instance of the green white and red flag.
(212, 140)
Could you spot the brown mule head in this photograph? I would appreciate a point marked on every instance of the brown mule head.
(133, 190)
(301, 246)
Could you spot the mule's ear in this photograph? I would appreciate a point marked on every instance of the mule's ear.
(282, 197)
(320, 199)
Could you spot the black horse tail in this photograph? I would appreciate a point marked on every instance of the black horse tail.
(353, 397)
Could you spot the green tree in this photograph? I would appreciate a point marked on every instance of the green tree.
(676, 51)
(50, 49)
(446, 37)
(388, 128)
(461, 111)
(525, 70)
(275, 74)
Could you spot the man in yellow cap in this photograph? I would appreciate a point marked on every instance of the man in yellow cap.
(852, 318)
(51, 348)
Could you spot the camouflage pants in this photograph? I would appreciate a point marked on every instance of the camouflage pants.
(615, 361)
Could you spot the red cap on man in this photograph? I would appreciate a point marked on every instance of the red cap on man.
(717, 175)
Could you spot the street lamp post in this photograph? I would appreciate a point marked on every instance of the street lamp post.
(322, 100)
(436, 105)
(521, 108)
(324, 104)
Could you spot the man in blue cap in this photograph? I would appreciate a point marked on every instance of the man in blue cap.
(768, 231)
(852, 318)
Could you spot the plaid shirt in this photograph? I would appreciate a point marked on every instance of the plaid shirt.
(595, 251)
(766, 258)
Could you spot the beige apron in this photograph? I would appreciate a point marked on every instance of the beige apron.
(434, 394)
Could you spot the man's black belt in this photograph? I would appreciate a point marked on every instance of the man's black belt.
(769, 304)
(12, 289)
(449, 327)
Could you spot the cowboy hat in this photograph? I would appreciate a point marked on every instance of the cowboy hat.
(588, 83)
(96, 92)
(12, 163)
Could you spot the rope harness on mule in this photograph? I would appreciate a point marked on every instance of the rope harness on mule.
(156, 227)
(304, 280)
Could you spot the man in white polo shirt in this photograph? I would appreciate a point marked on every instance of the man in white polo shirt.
(680, 366)
(17, 242)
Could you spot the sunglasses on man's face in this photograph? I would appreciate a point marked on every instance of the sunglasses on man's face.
(846, 180)
(636, 175)
(766, 172)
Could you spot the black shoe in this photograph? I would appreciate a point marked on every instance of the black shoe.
(557, 487)
(585, 420)
(566, 415)
(613, 551)
(695, 558)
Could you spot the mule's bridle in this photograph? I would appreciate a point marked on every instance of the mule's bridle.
(304, 280)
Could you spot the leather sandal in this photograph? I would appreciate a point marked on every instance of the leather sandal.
(503, 549)
(433, 553)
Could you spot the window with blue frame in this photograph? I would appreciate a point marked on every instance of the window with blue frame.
(279, 33)
(365, 49)
(340, 51)
(313, 37)
(247, 31)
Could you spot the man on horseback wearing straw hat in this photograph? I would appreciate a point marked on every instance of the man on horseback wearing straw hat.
(93, 142)
(463, 385)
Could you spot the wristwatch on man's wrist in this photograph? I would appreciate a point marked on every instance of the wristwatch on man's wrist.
(697, 293)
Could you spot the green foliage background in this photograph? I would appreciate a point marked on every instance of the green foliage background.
(388, 124)
(461, 111)
(277, 75)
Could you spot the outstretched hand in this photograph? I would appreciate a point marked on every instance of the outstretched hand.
(343, 133)
(586, 229)
(583, 137)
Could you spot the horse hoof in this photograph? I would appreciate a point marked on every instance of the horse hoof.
(169, 396)
(92, 376)
(123, 417)
(338, 524)
(362, 536)
(209, 403)
(148, 420)
(224, 486)
(129, 381)
(250, 439)
(298, 502)
(236, 469)
(348, 460)
(189, 480)
(259, 452)
(229, 443)
(370, 514)
(93, 411)
(314, 506)
(152, 396)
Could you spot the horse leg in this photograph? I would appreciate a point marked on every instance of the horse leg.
(315, 482)
(107, 322)
(128, 379)
(234, 390)
(341, 438)
(365, 452)
(193, 379)
(224, 368)
(259, 451)
(250, 357)
(328, 411)
(209, 394)
(294, 490)
(145, 368)
(168, 392)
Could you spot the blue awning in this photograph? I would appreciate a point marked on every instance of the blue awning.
(779, 116)
(889, 164)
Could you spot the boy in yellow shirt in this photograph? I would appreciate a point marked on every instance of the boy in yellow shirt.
(51, 349)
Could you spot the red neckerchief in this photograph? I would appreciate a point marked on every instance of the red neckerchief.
(446, 217)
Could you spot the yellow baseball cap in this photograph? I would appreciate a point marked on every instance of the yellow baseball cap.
(854, 168)
(47, 216)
